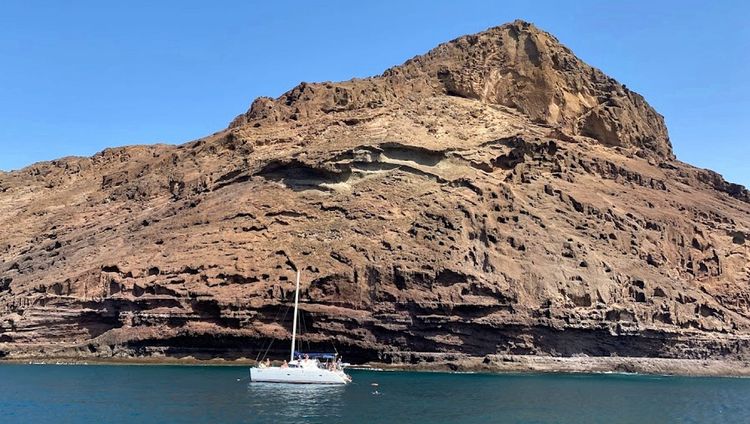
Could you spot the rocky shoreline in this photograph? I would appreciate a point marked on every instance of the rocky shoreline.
(464, 364)
(585, 365)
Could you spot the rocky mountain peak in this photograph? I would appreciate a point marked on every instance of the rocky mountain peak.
(520, 66)
(516, 65)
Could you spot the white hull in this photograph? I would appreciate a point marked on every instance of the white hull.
(298, 375)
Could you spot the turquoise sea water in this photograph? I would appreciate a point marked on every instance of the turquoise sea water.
(192, 394)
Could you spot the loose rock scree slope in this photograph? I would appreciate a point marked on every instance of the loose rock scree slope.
(494, 196)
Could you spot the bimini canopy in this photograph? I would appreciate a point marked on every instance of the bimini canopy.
(315, 355)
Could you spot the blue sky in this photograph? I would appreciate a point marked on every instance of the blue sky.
(79, 76)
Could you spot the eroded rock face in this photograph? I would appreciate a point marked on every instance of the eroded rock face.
(495, 196)
(514, 65)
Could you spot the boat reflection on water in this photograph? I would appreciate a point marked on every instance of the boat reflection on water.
(295, 401)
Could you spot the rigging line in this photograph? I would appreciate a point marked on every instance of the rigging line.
(303, 328)
(272, 339)
(286, 312)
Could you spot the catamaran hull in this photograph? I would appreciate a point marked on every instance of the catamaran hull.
(297, 376)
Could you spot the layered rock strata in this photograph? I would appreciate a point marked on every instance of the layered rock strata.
(495, 196)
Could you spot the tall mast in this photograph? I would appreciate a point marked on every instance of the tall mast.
(294, 322)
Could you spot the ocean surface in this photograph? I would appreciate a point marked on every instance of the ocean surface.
(213, 394)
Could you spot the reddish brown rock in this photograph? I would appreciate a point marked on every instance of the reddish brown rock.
(494, 196)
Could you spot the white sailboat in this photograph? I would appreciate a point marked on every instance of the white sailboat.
(305, 368)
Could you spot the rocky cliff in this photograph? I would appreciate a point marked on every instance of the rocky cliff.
(494, 196)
